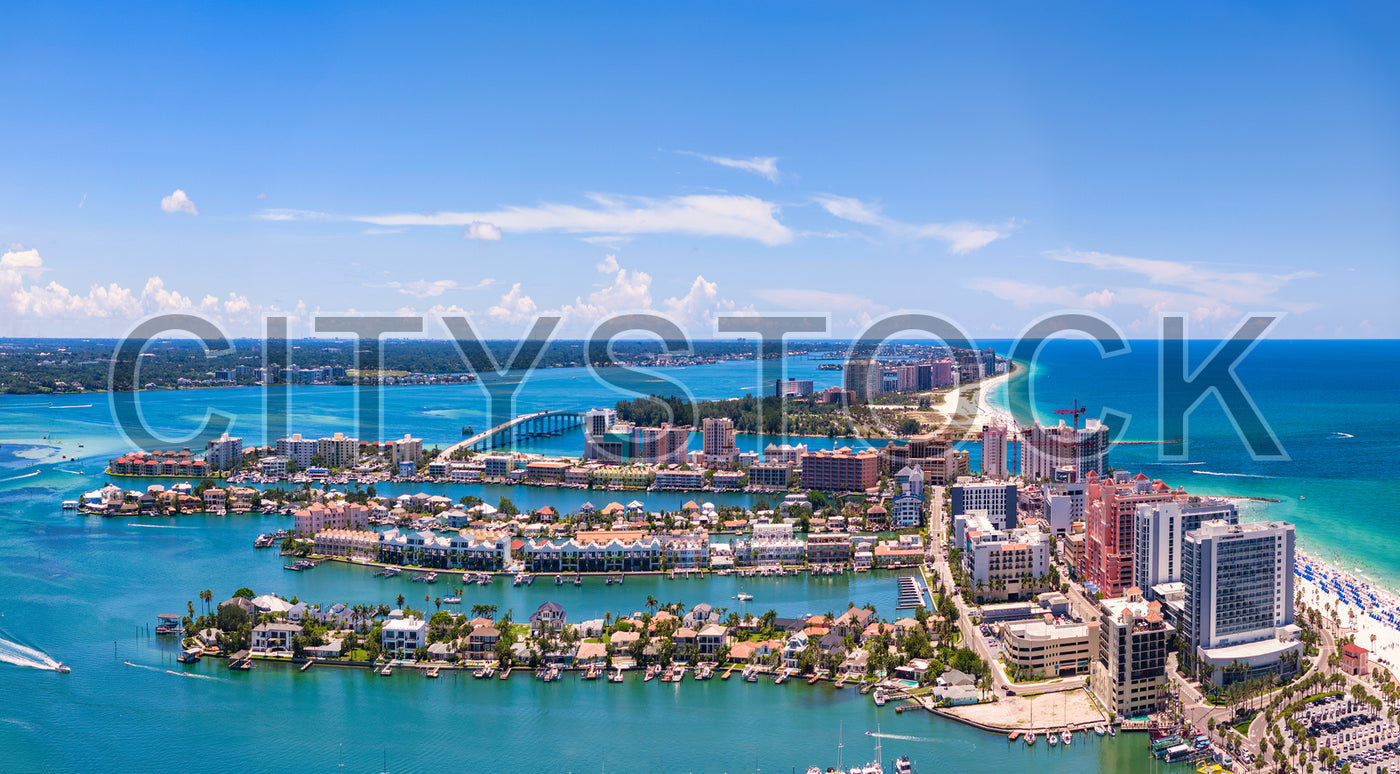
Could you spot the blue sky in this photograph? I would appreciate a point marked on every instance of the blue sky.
(992, 164)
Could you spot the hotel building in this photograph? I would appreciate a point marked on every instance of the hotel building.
(1044, 449)
(1129, 673)
(840, 470)
(1239, 598)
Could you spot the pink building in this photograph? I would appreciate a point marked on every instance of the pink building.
(337, 515)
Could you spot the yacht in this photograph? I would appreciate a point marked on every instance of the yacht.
(62, 668)
(880, 697)
(1100, 730)
(1067, 737)
(1051, 739)
(452, 600)
(1030, 737)
(902, 765)
(743, 597)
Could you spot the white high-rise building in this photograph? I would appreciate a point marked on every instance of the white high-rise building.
(223, 452)
(1238, 615)
(297, 449)
(1156, 545)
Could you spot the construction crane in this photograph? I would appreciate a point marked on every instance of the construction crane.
(1075, 412)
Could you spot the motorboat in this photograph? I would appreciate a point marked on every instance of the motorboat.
(743, 597)
(63, 668)
(1030, 737)
(1100, 730)
(1067, 737)
(879, 697)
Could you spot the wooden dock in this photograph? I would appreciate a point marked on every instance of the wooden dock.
(307, 665)
(904, 707)
(506, 673)
(727, 673)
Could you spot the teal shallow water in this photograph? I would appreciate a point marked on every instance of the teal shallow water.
(84, 589)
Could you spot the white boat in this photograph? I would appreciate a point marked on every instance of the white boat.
(902, 765)
(1100, 730)
(1051, 739)
(742, 597)
(62, 667)
(452, 600)
(879, 697)
(1030, 738)
(1112, 731)
(1067, 737)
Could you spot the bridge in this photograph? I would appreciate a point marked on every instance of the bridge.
(509, 433)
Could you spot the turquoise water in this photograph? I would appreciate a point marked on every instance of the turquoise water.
(84, 589)
(1332, 404)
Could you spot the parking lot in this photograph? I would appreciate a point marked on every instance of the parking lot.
(1355, 733)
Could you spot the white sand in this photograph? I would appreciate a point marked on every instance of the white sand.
(1385, 648)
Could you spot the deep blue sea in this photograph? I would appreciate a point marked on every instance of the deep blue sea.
(84, 589)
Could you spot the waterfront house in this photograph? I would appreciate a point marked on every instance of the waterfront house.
(591, 654)
(832, 645)
(548, 616)
(297, 612)
(700, 615)
(404, 635)
(874, 630)
(792, 649)
(622, 641)
(684, 639)
(852, 622)
(742, 651)
(956, 677)
(956, 695)
(239, 602)
(856, 663)
(481, 643)
(275, 637)
(441, 651)
(914, 670)
(589, 629)
(215, 499)
(711, 639)
(267, 603)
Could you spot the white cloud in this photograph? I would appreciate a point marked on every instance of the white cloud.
(821, 302)
(1239, 288)
(432, 288)
(286, 214)
(381, 231)
(1206, 294)
(608, 265)
(481, 230)
(178, 202)
(961, 237)
(611, 241)
(739, 217)
(514, 307)
(763, 166)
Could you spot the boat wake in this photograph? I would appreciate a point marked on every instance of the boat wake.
(1234, 475)
(85, 405)
(1343, 435)
(192, 674)
(20, 655)
(901, 737)
(30, 474)
(156, 526)
(1178, 463)
(143, 666)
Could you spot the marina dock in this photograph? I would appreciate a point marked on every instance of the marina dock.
(911, 593)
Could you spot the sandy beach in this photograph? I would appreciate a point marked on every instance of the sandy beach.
(1330, 586)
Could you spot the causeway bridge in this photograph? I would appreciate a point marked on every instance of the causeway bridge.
(523, 426)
